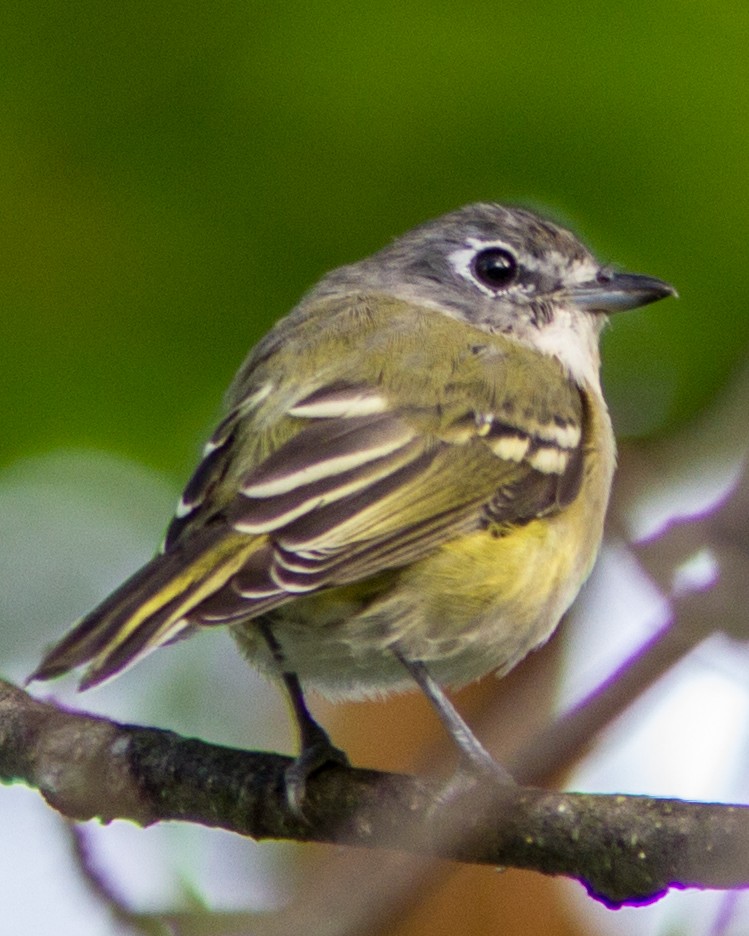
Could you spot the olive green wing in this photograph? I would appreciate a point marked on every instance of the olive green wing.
(351, 479)
(368, 485)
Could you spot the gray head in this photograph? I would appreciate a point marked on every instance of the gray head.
(503, 270)
(484, 258)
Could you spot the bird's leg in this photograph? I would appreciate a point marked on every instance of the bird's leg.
(316, 748)
(474, 758)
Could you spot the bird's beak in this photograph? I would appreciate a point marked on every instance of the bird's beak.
(616, 292)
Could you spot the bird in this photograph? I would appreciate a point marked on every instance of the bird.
(408, 484)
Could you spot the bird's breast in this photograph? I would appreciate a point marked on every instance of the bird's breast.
(479, 603)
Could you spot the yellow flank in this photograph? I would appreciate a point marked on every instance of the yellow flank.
(519, 573)
(481, 601)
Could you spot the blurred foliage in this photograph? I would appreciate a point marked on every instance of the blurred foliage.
(174, 175)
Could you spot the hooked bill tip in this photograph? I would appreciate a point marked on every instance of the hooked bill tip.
(617, 292)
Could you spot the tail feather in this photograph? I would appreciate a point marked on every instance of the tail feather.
(149, 609)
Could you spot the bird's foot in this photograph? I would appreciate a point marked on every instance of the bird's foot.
(317, 752)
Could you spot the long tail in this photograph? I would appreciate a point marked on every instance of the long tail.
(149, 609)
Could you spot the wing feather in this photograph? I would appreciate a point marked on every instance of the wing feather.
(298, 493)
(393, 509)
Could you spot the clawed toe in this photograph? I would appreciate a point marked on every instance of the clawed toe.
(314, 756)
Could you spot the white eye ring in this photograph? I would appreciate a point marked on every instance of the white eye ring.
(464, 263)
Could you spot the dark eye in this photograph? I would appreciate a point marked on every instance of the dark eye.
(495, 267)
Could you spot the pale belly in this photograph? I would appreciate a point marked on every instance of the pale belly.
(478, 604)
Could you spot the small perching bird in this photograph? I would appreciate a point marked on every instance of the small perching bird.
(410, 481)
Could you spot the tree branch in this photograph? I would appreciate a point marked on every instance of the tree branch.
(624, 849)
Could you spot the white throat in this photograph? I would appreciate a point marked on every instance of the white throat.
(572, 338)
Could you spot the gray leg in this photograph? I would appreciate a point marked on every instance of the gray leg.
(474, 756)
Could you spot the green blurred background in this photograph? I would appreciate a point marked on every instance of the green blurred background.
(174, 175)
